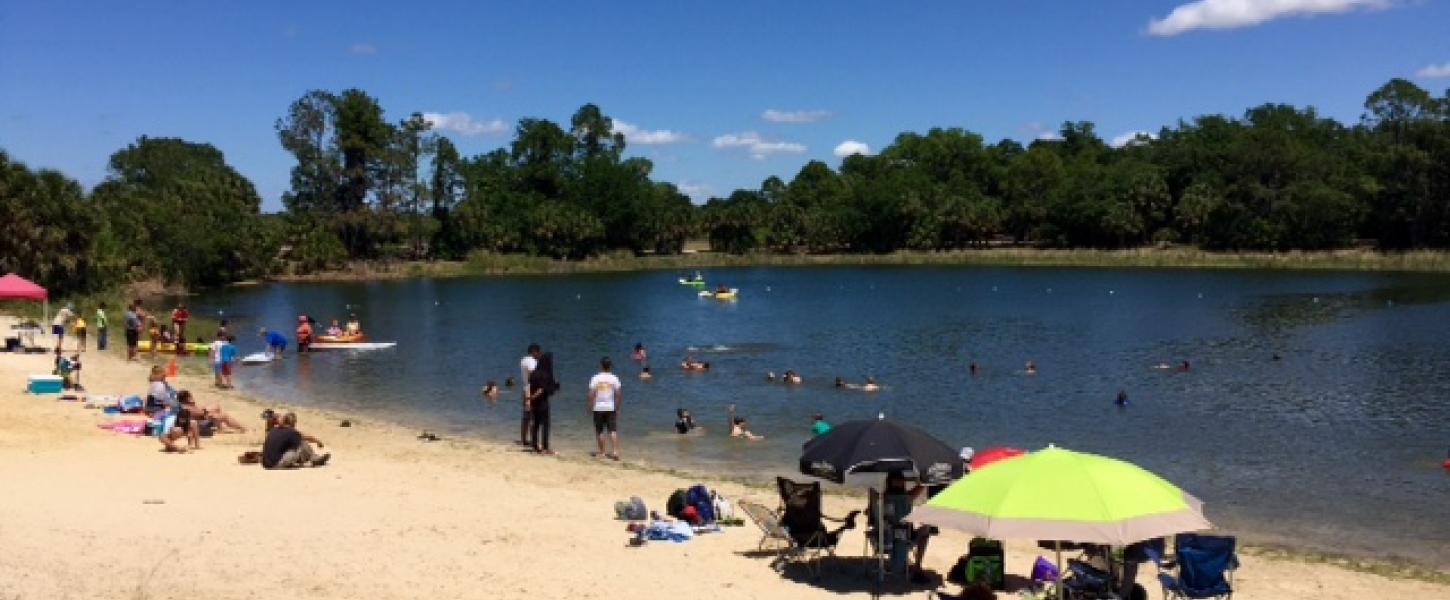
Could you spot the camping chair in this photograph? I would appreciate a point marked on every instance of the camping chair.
(774, 533)
(1204, 565)
(803, 521)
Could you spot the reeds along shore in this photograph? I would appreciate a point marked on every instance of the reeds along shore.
(488, 263)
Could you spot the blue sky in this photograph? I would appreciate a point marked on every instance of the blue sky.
(694, 80)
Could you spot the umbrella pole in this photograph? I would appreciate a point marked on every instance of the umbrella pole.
(880, 538)
(1057, 545)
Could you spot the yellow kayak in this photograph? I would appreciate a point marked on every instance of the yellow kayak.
(164, 347)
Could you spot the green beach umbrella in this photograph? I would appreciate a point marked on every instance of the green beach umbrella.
(1057, 494)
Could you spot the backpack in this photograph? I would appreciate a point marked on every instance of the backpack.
(698, 496)
(676, 504)
(632, 510)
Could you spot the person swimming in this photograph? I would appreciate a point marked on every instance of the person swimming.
(840, 383)
(1030, 368)
(508, 382)
(770, 376)
(490, 390)
(871, 385)
(1183, 367)
(791, 378)
(690, 364)
(739, 428)
(646, 374)
(639, 354)
(685, 423)
(1122, 399)
(972, 368)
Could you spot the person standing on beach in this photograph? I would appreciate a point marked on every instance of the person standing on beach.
(133, 330)
(79, 330)
(542, 386)
(179, 317)
(526, 368)
(604, 400)
(63, 317)
(101, 323)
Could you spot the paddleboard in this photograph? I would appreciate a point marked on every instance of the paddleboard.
(258, 358)
(351, 345)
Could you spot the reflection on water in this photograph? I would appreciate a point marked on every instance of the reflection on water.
(1334, 444)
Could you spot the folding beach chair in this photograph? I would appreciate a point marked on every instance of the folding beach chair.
(775, 534)
(1204, 566)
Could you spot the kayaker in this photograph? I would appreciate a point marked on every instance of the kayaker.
(871, 385)
(354, 329)
(720, 290)
(335, 329)
(304, 333)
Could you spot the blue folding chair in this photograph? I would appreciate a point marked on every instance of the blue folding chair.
(1205, 566)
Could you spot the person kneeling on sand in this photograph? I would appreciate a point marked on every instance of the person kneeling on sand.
(287, 448)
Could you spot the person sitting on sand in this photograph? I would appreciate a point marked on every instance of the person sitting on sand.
(490, 390)
(685, 423)
(646, 375)
(739, 429)
(335, 329)
(186, 426)
(159, 395)
(288, 448)
(214, 419)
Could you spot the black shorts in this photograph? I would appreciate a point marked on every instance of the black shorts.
(133, 338)
(606, 420)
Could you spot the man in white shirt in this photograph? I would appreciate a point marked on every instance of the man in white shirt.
(604, 400)
(63, 317)
(526, 368)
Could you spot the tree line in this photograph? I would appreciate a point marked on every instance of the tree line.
(363, 187)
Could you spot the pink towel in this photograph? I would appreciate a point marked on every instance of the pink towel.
(131, 427)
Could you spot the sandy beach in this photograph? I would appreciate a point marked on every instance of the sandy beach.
(87, 513)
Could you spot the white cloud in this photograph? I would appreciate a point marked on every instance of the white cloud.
(758, 147)
(635, 134)
(362, 49)
(1434, 72)
(1231, 14)
(1131, 137)
(463, 124)
(850, 147)
(795, 116)
(698, 192)
(1049, 136)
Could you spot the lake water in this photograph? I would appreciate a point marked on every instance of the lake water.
(1336, 446)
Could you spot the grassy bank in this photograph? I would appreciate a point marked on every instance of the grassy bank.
(1175, 258)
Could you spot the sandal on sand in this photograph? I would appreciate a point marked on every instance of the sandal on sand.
(613, 456)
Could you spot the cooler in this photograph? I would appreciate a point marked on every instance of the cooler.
(44, 384)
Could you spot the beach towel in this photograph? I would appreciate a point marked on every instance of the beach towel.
(660, 531)
(127, 427)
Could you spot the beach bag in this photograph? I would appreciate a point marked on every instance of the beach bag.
(631, 510)
(698, 498)
(676, 504)
(1044, 571)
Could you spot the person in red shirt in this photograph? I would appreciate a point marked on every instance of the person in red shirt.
(179, 317)
(304, 333)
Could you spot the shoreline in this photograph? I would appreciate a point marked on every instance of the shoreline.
(440, 504)
(489, 264)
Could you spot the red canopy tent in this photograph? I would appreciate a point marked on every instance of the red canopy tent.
(15, 287)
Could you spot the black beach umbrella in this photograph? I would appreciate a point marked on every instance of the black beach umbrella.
(880, 446)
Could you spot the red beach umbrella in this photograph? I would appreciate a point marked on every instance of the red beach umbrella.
(991, 455)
